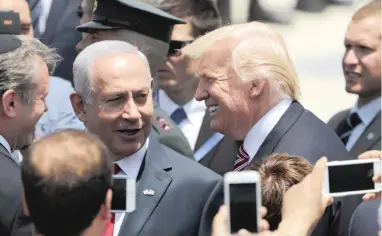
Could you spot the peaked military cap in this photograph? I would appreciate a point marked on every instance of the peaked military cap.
(9, 43)
(134, 15)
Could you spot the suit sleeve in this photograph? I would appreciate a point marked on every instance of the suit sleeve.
(214, 201)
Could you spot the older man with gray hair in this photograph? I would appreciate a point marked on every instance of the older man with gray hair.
(251, 89)
(24, 80)
(113, 97)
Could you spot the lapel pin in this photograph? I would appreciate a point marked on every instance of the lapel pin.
(370, 136)
(148, 192)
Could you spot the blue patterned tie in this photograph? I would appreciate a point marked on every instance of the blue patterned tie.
(178, 115)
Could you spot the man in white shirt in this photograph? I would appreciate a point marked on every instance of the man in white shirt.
(24, 82)
(113, 97)
(360, 127)
(178, 84)
(251, 89)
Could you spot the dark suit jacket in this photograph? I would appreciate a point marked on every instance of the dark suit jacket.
(12, 218)
(365, 219)
(171, 137)
(186, 196)
(299, 132)
(370, 138)
(222, 156)
(60, 33)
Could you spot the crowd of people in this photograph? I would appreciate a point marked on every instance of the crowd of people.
(161, 92)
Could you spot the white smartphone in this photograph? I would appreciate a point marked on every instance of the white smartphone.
(242, 196)
(123, 199)
(353, 177)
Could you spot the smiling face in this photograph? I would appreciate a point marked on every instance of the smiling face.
(121, 109)
(225, 94)
(362, 59)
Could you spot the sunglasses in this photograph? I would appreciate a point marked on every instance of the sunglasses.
(176, 45)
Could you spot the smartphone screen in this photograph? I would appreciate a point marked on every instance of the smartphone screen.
(243, 207)
(118, 202)
(346, 178)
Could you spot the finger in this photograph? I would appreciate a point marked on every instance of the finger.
(264, 225)
(369, 196)
(263, 211)
(371, 154)
(326, 201)
(319, 172)
(243, 232)
(377, 178)
(219, 221)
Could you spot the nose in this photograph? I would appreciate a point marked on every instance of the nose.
(81, 45)
(131, 111)
(350, 57)
(45, 107)
(201, 91)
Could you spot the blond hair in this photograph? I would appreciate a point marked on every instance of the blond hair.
(256, 52)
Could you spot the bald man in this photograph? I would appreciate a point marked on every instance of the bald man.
(67, 184)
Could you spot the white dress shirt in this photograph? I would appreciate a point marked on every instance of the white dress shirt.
(263, 127)
(43, 18)
(195, 111)
(367, 113)
(129, 166)
(16, 155)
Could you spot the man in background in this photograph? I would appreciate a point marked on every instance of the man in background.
(24, 82)
(67, 184)
(54, 23)
(360, 127)
(177, 83)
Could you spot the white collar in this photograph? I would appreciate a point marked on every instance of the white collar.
(5, 143)
(369, 111)
(193, 108)
(258, 133)
(130, 165)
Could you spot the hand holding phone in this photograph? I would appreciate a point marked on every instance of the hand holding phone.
(123, 194)
(343, 178)
(242, 195)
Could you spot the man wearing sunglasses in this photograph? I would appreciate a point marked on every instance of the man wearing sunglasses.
(178, 85)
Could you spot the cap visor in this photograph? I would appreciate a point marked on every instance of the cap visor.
(93, 26)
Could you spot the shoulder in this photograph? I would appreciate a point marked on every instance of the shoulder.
(338, 117)
(365, 218)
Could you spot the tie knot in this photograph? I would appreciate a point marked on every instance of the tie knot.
(178, 115)
(243, 153)
(354, 120)
(116, 169)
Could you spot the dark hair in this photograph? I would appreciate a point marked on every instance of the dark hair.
(66, 178)
(203, 14)
(279, 172)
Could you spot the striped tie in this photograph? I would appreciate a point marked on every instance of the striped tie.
(242, 160)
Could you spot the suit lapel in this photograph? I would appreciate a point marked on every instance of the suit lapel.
(370, 136)
(291, 115)
(205, 132)
(57, 11)
(154, 175)
(4, 151)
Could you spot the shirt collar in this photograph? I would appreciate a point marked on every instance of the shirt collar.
(16, 155)
(263, 127)
(192, 109)
(130, 165)
(369, 111)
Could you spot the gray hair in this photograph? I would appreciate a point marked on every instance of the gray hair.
(84, 61)
(17, 67)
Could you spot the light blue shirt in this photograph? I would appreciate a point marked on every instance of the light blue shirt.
(60, 114)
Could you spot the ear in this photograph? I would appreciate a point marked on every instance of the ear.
(9, 102)
(104, 211)
(78, 106)
(25, 206)
(257, 87)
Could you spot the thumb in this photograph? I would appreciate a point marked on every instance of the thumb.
(326, 201)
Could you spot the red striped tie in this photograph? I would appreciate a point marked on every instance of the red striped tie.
(109, 229)
(242, 160)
